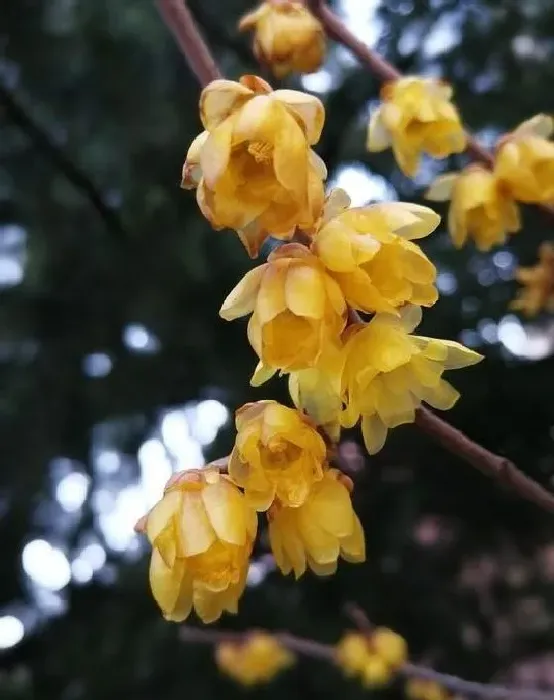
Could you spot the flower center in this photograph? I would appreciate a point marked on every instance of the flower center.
(261, 152)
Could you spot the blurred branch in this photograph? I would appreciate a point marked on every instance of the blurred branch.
(77, 177)
(382, 69)
(180, 21)
(490, 464)
(326, 652)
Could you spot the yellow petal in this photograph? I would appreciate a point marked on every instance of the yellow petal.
(352, 548)
(410, 317)
(242, 299)
(220, 99)
(226, 511)
(378, 136)
(161, 514)
(320, 545)
(331, 507)
(326, 569)
(207, 604)
(166, 582)
(215, 154)
(261, 374)
(196, 531)
(336, 201)
(541, 125)
(305, 291)
(290, 158)
(441, 188)
(457, 355)
(411, 221)
(309, 110)
(443, 396)
(374, 432)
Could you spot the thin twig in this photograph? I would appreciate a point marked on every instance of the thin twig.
(453, 683)
(326, 652)
(180, 21)
(44, 143)
(384, 71)
(490, 464)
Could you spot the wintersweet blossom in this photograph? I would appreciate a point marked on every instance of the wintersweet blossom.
(388, 373)
(287, 37)
(370, 252)
(319, 531)
(373, 658)
(481, 208)
(416, 116)
(537, 292)
(254, 660)
(424, 689)
(252, 167)
(278, 453)
(524, 161)
(297, 309)
(202, 532)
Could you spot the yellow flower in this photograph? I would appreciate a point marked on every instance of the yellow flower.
(369, 251)
(278, 453)
(481, 208)
(524, 161)
(537, 292)
(202, 533)
(318, 390)
(297, 309)
(257, 659)
(423, 689)
(389, 646)
(388, 373)
(287, 37)
(253, 167)
(356, 656)
(319, 531)
(417, 116)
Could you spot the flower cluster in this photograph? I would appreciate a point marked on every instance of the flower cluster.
(424, 689)
(254, 660)
(374, 659)
(537, 292)
(254, 171)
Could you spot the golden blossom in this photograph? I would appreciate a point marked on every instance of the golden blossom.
(423, 689)
(297, 309)
(278, 453)
(253, 168)
(202, 532)
(416, 116)
(388, 373)
(537, 292)
(257, 659)
(319, 531)
(370, 253)
(356, 657)
(481, 208)
(287, 37)
(524, 161)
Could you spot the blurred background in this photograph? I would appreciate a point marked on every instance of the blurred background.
(116, 370)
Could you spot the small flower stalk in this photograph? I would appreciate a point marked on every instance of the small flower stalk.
(256, 660)
(416, 117)
(481, 207)
(287, 37)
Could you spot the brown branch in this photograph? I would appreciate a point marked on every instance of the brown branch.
(452, 683)
(180, 21)
(382, 69)
(43, 142)
(326, 652)
(490, 464)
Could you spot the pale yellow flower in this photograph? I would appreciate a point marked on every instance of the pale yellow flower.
(480, 209)
(297, 309)
(319, 531)
(524, 161)
(388, 373)
(287, 37)
(423, 689)
(416, 116)
(255, 660)
(253, 167)
(537, 292)
(202, 532)
(370, 252)
(358, 655)
(278, 453)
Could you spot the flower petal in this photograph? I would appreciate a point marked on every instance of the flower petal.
(220, 99)
(378, 136)
(441, 188)
(309, 110)
(242, 299)
(226, 511)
